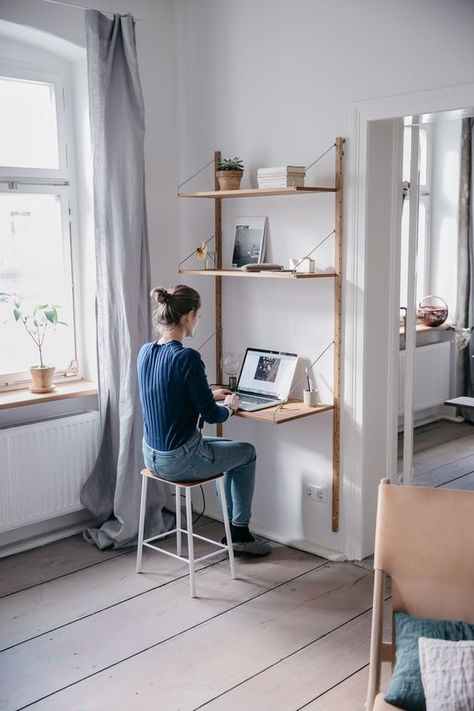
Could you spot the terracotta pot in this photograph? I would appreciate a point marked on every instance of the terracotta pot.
(229, 179)
(42, 379)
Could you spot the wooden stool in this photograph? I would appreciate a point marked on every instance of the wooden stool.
(191, 560)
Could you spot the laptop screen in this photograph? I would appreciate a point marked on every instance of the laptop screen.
(267, 373)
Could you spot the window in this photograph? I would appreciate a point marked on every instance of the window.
(36, 193)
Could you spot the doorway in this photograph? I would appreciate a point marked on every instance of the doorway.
(435, 440)
(370, 417)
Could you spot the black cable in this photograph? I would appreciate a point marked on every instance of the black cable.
(201, 513)
(203, 505)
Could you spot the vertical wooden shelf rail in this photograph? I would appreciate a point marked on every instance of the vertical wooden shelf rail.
(336, 453)
(218, 279)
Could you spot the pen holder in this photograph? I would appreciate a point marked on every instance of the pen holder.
(310, 397)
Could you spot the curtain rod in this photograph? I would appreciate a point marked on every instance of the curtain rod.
(83, 7)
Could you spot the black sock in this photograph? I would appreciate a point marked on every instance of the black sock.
(240, 534)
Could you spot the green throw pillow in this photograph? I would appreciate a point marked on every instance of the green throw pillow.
(406, 688)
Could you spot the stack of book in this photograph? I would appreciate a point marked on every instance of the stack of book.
(287, 176)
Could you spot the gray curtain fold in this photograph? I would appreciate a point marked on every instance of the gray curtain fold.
(465, 290)
(117, 117)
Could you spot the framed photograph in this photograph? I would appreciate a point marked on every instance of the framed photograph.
(249, 241)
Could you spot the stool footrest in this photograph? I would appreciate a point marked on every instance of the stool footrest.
(181, 557)
(183, 530)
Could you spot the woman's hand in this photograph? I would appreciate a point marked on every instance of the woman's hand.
(233, 400)
(221, 393)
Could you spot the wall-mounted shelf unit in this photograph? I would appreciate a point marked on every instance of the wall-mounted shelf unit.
(293, 409)
(255, 192)
(285, 274)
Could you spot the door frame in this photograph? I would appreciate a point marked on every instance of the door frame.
(360, 478)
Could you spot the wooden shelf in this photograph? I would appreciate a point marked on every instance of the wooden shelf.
(291, 410)
(285, 274)
(256, 192)
(63, 391)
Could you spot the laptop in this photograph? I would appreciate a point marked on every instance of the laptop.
(265, 378)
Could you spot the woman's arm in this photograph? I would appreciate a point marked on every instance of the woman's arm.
(199, 390)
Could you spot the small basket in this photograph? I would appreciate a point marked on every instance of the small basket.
(432, 311)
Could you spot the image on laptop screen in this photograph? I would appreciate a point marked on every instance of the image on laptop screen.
(267, 373)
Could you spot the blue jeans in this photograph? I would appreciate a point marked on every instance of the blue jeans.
(201, 457)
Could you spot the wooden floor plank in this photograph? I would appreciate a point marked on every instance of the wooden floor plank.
(295, 681)
(190, 669)
(443, 454)
(350, 694)
(437, 476)
(70, 653)
(69, 598)
(48, 562)
(288, 685)
(465, 482)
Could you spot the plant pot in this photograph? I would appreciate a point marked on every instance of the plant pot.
(229, 179)
(42, 379)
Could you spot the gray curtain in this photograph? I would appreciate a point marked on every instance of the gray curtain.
(465, 291)
(112, 491)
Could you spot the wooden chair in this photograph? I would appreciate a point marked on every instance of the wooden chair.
(190, 560)
(424, 541)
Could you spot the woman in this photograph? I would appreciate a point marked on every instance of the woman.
(174, 392)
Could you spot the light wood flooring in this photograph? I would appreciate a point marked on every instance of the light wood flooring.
(81, 631)
(443, 455)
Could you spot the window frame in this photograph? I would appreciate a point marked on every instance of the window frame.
(59, 181)
(16, 69)
(424, 243)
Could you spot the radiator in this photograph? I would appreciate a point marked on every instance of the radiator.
(431, 376)
(42, 467)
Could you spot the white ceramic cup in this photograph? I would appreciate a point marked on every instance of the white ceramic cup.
(310, 397)
(306, 266)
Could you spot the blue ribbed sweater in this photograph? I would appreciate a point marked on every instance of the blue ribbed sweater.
(174, 391)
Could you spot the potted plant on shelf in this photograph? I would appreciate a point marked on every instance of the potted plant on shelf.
(43, 317)
(229, 173)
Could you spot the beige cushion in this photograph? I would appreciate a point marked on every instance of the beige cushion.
(447, 672)
(381, 705)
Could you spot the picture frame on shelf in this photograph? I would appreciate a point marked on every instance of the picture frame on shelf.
(250, 236)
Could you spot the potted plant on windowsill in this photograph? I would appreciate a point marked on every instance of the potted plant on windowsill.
(43, 317)
(229, 173)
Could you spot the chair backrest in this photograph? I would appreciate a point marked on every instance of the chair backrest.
(425, 542)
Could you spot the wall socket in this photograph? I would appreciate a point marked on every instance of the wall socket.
(316, 493)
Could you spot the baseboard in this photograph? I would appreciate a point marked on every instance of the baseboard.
(22, 539)
(300, 544)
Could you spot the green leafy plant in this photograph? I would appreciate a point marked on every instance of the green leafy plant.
(36, 324)
(231, 164)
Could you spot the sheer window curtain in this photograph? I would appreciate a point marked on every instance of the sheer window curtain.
(112, 490)
(465, 296)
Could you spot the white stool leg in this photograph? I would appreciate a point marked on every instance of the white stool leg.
(178, 519)
(189, 524)
(225, 516)
(141, 523)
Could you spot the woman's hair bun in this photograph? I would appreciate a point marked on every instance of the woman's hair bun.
(161, 295)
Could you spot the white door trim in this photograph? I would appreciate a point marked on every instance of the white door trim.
(357, 334)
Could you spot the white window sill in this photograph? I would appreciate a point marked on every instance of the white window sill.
(63, 391)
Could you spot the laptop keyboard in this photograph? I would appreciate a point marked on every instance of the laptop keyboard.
(254, 399)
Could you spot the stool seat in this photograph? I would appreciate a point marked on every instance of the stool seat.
(190, 560)
(184, 483)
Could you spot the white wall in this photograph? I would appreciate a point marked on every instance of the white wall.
(274, 82)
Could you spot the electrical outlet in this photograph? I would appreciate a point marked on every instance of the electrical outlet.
(316, 493)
